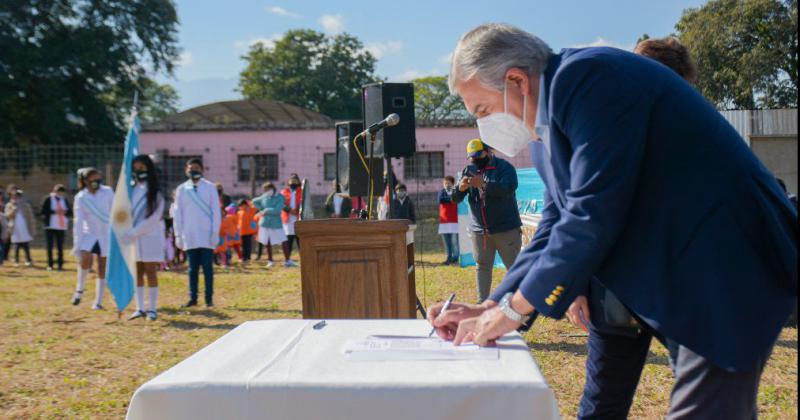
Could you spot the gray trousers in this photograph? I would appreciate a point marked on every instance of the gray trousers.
(484, 247)
(705, 391)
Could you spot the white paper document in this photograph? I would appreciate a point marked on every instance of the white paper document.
(396, 348)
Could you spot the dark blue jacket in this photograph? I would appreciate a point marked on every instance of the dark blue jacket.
(654, 193)
(494, 209)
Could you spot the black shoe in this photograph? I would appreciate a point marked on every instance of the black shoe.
(76, 298)
(189, 304)
(209, 304)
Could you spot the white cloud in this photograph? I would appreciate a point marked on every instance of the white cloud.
(267, 42)
(379, 49)
(280, 11)
(603, 42)
(409, 74)
(446, 58)
(184, 59)
(332, 23)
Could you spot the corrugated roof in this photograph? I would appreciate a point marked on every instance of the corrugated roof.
(245, 114)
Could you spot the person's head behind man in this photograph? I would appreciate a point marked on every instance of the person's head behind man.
(495, 69)
(670, 52)
(448, 182)
(14, 193)
(194, 169)
(400, 191)
(294, 182)
(59, 190)
(269, 188)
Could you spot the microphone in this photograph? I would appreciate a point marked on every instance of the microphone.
(390, 120)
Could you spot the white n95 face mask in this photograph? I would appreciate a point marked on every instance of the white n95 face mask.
(504, 131)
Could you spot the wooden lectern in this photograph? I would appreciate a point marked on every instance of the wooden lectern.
(357, 269)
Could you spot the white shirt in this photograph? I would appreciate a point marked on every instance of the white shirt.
(542, 123)
(292, 217)
(91, 214)
(197, 215)
(55, 223)
(337, 204)
(148, 231)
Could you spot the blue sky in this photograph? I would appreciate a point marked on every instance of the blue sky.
(410, 38)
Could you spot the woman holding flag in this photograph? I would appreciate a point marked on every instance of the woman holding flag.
(90, 231)
(147, 232)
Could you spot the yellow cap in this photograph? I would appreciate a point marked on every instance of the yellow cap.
(475, 147)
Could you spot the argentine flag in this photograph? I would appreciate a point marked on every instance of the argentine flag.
(121, 263)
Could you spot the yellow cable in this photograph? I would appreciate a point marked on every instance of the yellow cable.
(369, 174)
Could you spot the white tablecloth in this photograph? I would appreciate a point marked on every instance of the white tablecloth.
(284, 369)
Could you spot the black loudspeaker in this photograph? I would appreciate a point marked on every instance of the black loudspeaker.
(351, 175)
(378, 101)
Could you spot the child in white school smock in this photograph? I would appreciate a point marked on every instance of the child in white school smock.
(92, 208)
(148, 232)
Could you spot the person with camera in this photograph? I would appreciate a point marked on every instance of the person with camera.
(489, 184)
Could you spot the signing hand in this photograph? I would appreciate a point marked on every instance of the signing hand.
(578, 313)
(446, 323)
(485, 329)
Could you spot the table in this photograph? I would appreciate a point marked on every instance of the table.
(285, 369)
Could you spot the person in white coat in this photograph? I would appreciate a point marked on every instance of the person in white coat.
(147, 232)
(197, 217)
(91, 210)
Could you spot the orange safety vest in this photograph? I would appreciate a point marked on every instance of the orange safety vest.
(287, 196)
(247, 221)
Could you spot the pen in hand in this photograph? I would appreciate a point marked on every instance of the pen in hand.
(444, 308)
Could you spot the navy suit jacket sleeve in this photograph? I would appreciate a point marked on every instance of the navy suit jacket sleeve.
(604, 117)
(528, 256)
(506, 183)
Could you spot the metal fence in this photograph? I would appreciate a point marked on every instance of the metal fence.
(37, 169)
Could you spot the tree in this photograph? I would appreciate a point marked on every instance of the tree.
(310, 70)
(156, 101)
(434, 102)
(745, 50)
(61, 61)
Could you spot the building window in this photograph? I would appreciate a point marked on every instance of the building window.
(174, 168)
(424, 165)
(329, 166)
(264, 166)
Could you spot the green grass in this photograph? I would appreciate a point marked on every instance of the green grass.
(60, 361)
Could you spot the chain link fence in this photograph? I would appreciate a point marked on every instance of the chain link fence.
(36, 169)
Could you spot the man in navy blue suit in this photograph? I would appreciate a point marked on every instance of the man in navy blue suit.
(651, 193)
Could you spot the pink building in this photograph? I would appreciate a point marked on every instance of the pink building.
(281, 139)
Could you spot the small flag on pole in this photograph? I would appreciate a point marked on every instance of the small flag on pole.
(121, 263)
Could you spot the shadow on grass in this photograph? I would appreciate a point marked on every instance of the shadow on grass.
(581, 350)
(69, 321)
(191, 325)
(270, 310)
(789, 344)
(209, 313)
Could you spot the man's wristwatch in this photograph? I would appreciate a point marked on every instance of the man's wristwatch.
(507, 310)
